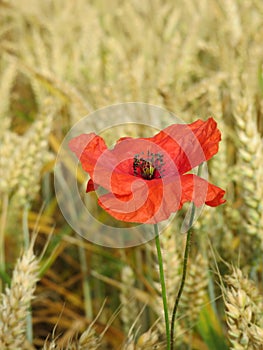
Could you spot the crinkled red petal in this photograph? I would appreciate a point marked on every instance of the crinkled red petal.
(127, 149)
(133, 199)
(154, 201)
(199, 191)
(88, 148)
(149, 202)
(190, 144)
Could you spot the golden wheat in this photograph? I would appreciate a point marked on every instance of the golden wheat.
(88, 340)
(129, 310)
(250, 154)
(244, 312)
(23, 158)
(15, 302)
(193, 297)
(194, 58)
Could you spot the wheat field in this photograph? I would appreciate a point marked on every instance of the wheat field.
(61, 61)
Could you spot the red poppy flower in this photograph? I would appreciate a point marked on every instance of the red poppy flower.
(147, 179)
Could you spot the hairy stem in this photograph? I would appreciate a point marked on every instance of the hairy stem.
(186, 254)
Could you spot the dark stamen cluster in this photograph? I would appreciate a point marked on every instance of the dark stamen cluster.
(147, 165)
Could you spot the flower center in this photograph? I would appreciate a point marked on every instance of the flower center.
(149, 166)
(147, 170)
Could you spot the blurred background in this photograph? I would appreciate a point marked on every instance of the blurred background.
(60, 61)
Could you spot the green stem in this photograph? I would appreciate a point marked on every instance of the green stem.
(186, 253)
(165, 306)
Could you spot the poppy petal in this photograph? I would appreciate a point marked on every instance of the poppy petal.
(91, 186)
(198, 190)
(127, 149)
(173, 151)
(150, 201)
(154, 201)
(88, 148)
(189, 144)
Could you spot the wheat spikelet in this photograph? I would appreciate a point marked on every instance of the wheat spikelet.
(88, 340)
(129, 310)
(207, 85)
(221, 174)
(22, 157)
(172, 264)
(146, 341)
(232, 12)
(9, 143)
(129, 346)
(250, 168)
(25, 157)
(16, 301)
(46, 55)
(58, 88)
(219, 168)
(6, 83)
(195, 290)
(244, 312)
(41, 53)
(51, 346)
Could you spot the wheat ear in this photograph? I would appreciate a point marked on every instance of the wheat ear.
(16, 301)
(244, 312)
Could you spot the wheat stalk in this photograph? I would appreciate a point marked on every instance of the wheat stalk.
(195, 290)
(146, 341)
(6, 83)
(24, 157)
(16, 301)
(244, 309)
(88, 340)
(129, 309)
(250, 180)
